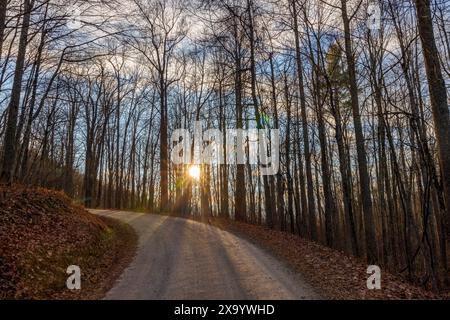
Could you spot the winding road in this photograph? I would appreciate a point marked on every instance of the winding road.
(183, 259)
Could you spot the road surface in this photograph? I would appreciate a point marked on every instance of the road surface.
(183, 259)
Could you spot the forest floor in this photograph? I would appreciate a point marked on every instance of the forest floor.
(42, 233)
(335, 274)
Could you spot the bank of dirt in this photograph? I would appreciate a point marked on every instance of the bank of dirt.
(43, 232)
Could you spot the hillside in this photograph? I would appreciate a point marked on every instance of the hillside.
(42, 232)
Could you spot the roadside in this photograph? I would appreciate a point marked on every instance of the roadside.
(335, 274)
(42, 233)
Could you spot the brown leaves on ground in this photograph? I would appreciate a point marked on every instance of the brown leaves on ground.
(336, 274)
(42, 232)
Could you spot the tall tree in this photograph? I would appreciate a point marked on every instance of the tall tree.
(365, 191)
(438, 95)
(9, 153)
(304, 120)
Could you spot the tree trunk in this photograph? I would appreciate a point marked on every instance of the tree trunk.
(9, 155)
(438, 96)
(366, 200)
(307, 153)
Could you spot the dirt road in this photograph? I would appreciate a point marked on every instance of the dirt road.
(182, 259)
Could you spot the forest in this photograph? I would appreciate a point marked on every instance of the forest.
(92, 91)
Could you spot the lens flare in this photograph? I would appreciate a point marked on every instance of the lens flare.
(194, 172)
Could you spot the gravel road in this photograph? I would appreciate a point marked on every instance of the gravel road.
(183, 259)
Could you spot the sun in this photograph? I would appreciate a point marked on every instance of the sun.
(194, 172)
